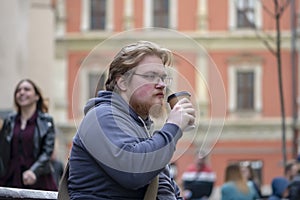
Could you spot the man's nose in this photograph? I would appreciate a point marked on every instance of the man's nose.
(161, 83)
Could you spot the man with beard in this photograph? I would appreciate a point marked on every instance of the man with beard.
(115, 152)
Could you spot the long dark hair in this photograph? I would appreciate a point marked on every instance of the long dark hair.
(41, 104)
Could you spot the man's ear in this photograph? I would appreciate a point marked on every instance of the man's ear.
(121, 83)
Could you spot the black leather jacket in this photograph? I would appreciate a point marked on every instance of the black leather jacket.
(44, 138)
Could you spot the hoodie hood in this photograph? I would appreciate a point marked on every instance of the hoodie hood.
(114, 99)
(279, 185)
(106, 97)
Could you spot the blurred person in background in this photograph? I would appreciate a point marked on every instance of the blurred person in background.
(27, 141)
(198, 180)
(294, 186)
(236, 186)
(249, 175)
(280, 188)
(291, 170)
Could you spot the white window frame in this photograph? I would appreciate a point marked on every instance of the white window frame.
(148, 16)
(232, 18)
(232, 84)
(84, 82)
(86, 16)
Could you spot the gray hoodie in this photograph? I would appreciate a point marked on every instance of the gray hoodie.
(115, 156)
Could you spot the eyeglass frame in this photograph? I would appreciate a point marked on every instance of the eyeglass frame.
(156, 78)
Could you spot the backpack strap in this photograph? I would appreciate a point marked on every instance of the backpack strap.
(152, 188)
(63, 193)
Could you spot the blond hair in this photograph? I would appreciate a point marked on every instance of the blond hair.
(130, 56)
(233, 174)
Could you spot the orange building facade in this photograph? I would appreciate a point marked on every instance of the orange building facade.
(249, 98)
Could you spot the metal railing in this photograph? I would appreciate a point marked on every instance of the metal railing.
(26, 194)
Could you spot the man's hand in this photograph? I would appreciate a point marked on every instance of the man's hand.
(182, 114)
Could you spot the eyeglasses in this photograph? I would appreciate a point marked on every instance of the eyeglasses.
(155, 78)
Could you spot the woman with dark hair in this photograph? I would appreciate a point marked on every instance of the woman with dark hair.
(27, 141)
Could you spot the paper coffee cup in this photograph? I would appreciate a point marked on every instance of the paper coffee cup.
(174, 98)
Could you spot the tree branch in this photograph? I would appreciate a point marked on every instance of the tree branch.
(283, 7)
(265, 8)
(274, 53)
(266, 43)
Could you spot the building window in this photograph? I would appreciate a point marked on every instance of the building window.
(98, 14)
(161, 13)
(92, 84)
(245, 14)
(245, 90)
(95, 83)
(91, 80)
